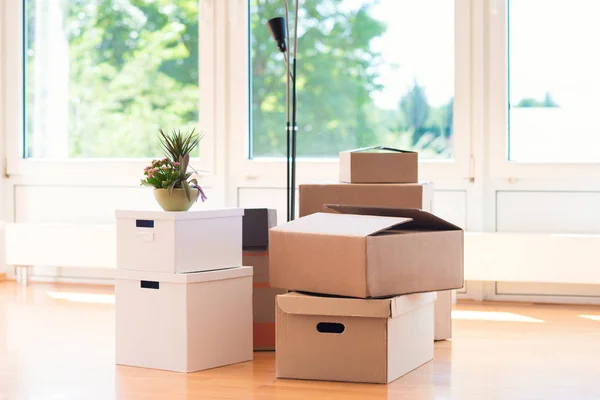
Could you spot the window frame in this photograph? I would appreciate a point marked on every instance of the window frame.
(498, 103)
(91, 171)
(270, 172)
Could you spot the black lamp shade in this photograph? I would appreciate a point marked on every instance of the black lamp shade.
(277, 28)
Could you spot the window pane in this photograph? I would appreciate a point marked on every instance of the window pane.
(554, 85)
(102, 75)
(370, 72)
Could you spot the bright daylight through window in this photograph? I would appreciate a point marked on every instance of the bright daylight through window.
(553, 81)
(370, 72)
(102, 75)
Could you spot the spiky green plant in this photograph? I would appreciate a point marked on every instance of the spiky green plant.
(177, 145)
(166, 174)
(172, 172)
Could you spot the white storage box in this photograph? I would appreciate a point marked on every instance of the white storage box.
(353, 340)
(443, 315)
(179, 242)
(183, 322)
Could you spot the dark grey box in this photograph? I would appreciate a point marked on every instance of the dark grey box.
(255, 228)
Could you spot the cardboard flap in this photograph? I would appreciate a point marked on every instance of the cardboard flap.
(378, 148)
(420, 219)
(341, 225)
(302, 304)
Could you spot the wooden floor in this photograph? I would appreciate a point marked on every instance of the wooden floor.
(56, 342)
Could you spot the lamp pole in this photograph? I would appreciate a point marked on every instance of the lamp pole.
(279, 31)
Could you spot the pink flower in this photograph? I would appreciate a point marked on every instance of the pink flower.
(150, 175)
(165, 167)
(176, 164)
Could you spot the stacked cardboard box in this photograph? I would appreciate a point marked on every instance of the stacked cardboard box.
(382, 177)
(255, 243)
(182, 300)
(363, 277)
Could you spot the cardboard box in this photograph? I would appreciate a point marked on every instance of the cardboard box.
(256, 225)
(379, 164)
(314, 197)
(367, 252)
(263, 299)
(257, 222)
(259, 261)
(179, 242)
(353, 340)
(183, 322)
(442, 308)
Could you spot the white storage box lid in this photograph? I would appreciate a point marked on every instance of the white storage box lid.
(297, 303)
(192, 277)
(171, 215)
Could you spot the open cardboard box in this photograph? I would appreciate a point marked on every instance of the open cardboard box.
(367, 252)
(353, 340)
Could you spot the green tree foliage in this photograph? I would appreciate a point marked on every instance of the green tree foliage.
(429, 128)
(337, 75)
(335, 78)
(133, 68)
(548, 101)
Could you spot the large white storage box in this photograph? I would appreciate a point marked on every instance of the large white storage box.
(179, 242)
(183, 322)
(443, 316)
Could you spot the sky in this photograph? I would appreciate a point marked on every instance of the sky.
(418, 43)
(552, 49)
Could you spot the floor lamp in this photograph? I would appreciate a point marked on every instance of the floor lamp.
(280, 30)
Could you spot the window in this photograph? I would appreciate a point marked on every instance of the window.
(553, 81)
(370, 72)
(102, 75)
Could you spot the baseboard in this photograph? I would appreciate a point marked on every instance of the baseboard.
(531, 293)
(79, 275)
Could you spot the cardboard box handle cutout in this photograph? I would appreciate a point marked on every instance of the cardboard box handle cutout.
(144, 223)
(149, 285)
(330, 327)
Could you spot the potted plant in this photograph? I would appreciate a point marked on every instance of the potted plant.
(175, 189)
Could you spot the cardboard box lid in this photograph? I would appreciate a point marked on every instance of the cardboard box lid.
(349, 225)
(171, 215)
(303, 304)
(377, 149)
(192, 277)
(420, 219)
